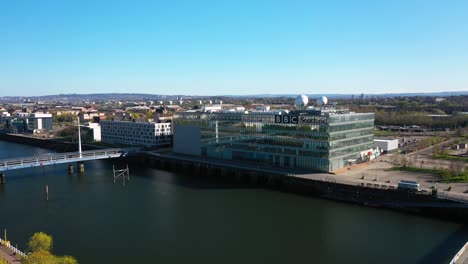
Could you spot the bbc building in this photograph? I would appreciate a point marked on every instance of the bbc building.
(309, 140)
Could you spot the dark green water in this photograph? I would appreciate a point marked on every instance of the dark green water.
(164, 217)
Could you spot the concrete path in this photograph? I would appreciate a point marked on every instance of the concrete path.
(7, 255)
(463, 259)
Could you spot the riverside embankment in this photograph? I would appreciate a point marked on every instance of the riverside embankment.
(53, 144)
(319, 185)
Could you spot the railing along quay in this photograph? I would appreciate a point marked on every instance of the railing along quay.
(12, 248)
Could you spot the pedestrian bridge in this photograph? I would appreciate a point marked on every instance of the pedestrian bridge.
(59, 158)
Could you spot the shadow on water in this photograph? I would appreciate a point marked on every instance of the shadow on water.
(445, 251)
(189, 180)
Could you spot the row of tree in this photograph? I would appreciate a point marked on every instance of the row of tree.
(389, 118)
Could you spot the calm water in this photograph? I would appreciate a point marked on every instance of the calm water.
(164, 217)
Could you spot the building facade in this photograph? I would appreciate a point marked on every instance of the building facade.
(386, 145)
(34, 122)
(136, 133)
(312, 140)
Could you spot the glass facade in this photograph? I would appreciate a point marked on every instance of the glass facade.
(311, 140)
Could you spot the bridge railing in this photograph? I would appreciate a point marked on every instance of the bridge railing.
(51, 157)
(12, 248)
(459, 254)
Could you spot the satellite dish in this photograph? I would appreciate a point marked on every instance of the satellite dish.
(301, 101)
(322, 101)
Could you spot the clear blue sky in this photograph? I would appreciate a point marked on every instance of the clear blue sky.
(233, 47)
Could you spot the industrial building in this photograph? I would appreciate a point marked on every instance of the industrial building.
(322, 139)
(147, 134)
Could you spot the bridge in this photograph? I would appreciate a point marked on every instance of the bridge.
(59, 158)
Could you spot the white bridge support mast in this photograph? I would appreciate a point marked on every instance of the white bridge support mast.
(79, 138)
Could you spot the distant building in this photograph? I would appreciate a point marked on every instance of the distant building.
(5, 117)
(386, 145)
(212, 108)
(136, 133)
(32, 122)
(264, 108)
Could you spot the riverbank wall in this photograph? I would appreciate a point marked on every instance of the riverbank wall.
(53, 144)
(412, 202)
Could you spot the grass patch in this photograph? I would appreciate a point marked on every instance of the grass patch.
(449, 157)
(446, 175)
(384, 133)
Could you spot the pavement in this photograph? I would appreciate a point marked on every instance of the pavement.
(377, 172)
(463, 258)
(7, 255)
(374, 173)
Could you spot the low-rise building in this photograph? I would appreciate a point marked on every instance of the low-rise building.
(136, 133)
(386, 145)
(4, 117)
(32, 122)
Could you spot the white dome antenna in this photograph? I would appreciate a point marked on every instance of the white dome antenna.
(301, 102)
(322, 101)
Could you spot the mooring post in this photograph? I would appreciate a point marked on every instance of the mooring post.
(70, 168)
(81, 167)
(2, 178)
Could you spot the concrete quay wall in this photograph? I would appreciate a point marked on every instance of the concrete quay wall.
(54, 144)
(281, 181)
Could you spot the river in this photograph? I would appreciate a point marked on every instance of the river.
(166, 217)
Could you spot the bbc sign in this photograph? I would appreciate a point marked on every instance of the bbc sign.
(286, 119)
(293, 119)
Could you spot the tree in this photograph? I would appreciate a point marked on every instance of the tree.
(40, 241)
(67, 260)
(41, 245)
(40, 256)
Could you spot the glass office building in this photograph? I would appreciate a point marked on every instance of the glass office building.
(313, 140)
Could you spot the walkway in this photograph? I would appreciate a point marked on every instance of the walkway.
(7, 255)
(58, 158)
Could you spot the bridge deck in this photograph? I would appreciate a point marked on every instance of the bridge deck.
(59, 158)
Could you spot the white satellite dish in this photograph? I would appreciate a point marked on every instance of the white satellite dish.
(322, 101)
(301, 101)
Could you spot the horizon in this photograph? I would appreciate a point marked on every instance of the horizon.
(243, 48)
(443, 93)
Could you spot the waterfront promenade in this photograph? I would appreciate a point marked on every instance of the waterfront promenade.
(8, 255)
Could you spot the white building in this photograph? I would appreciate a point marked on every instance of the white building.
(212, 108)
(96, 131)
(264, 108)
(136, 133)
(33, 121)
(4, 117)
(386, 145)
